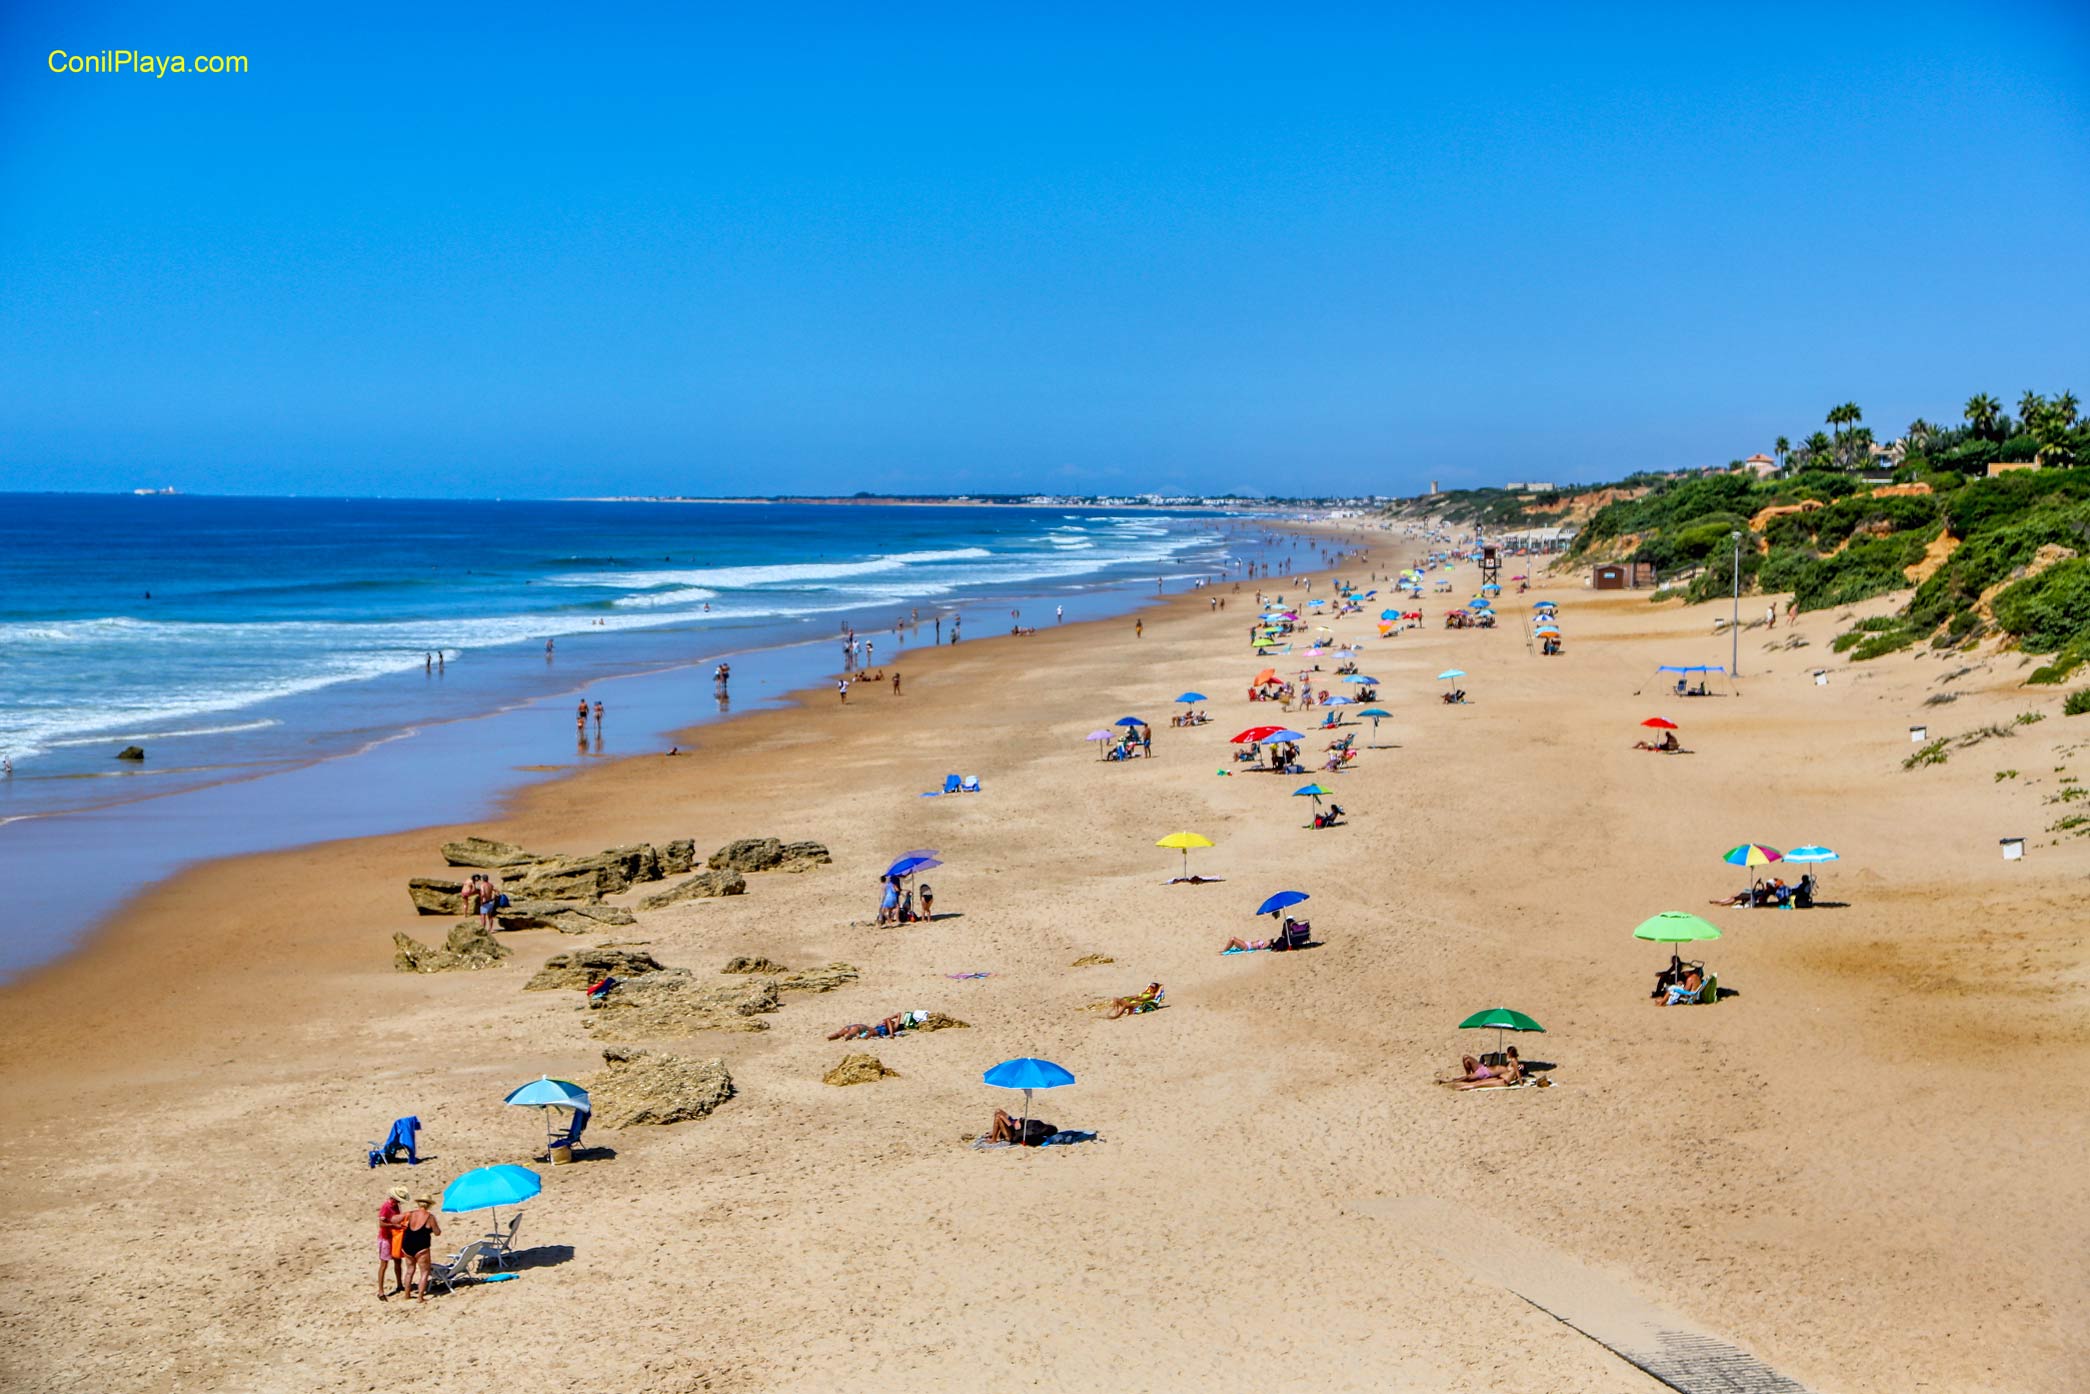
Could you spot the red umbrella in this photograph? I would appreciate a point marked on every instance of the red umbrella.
(1267, 675)
(1257, 733)
(1660, 723)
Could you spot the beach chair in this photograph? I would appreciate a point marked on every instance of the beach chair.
(1146, 1001)
(1709, 991)
(970, 784)
(951, 784)
(400, 1139)
(465, 1264)
(1297, 934)
(500, 1242)
(572, 1136)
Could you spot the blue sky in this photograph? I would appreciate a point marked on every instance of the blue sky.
(708, 250)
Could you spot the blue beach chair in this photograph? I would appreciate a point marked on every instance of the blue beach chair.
(400, 1140)
(970, 785)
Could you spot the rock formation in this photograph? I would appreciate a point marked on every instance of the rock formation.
(583, 967)
(131, 752)
(768, 854)
(434, 897)
(469, 946)
(753, 965)
(858, 1069)
(702, 885)
(671, 1003)
(481, 853)
(566, 916)
(641, 1086)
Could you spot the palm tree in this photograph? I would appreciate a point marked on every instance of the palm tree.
(1981, 413)
(2065, 408)
(2030, 407)
(1817, 446)
(1836, 419)
(1919, 431)
(1781, 448)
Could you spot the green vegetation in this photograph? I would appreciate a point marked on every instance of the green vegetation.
(2018, 560)
(2002, 775)
(1932, 754)
(2077, 702)
(2030, 718)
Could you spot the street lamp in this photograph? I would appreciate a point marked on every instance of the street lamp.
(1734, 625)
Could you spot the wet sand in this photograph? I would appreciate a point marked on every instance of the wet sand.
(1861, 1167)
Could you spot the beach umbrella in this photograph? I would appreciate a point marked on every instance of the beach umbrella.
(1389, 614)
(1128, 721)
(1283, 900)
(1193, 697)
(1286, 733)
(490, 1188)
(908, 863)
(1811, 854)
(1027, 1073)
(1675, 927)
(1544, 605)
(548, 1093)
(1450, 673)
(1183, 842)
(1660, 723)
(1340, 702)
(1267, 675)
(1256, 733)
(1100, 736)
(1502, 1019)
(1751, 854)
(1491, 586)
(1314, 792)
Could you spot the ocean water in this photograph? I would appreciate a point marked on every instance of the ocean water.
(272, 656)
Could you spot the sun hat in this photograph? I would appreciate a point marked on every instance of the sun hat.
(401, 1194)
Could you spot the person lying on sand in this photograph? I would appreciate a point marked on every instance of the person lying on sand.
(1030, 1133)
(1754, 895)
(1479, 1076)
(891, 1026)
(1667, 743)
(1142, 1002)
(1245, 946)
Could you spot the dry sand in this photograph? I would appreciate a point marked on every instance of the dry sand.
(1863, 1167)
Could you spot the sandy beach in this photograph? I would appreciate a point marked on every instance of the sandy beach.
(1861, 1168)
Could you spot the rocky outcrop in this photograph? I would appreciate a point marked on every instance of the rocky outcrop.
(671, 1003)
(131, 752)
(826, 979)
(1091, 960)
(469, 946)
(566, 916)
(483, 853)
(858, 1069)
(702, 886)
(584, 967)
(678, 858)
(641, 1086)
(434, 897)
(753, 965)
(769, 854)
(562, 878)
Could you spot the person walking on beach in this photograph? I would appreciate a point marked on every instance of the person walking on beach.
(547, 648)
(1059, 614)
(598, 718)
(418, 1229)
(580, 725)
(896, 682)
(1139, 629)
(842, 690)
(388, 1237)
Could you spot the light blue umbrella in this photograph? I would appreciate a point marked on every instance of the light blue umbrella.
(1027, 1073)
(547, 1092)
(1812, 854)
(490, 1188)
(1449, 673)
(1193, 697)
(1286, 735)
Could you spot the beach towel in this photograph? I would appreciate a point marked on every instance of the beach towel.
(1067, 1137)
(968, 977)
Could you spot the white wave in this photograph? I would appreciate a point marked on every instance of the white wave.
(757, 577)
(681, 595)
(138, 737)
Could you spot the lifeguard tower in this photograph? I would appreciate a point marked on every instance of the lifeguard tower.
(1490, 564)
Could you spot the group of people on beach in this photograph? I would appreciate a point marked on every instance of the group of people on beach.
(896, 901)
(406, 1233)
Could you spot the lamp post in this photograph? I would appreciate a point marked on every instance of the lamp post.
(1734, 626)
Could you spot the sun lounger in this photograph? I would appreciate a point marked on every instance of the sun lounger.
(501, 1242)
(951, 784)
(465, 1264)
(969, 785)
(572, 1136)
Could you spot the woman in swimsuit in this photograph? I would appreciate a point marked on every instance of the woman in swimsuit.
(418, 1229)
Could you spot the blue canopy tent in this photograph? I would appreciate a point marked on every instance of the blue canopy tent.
(1684, 672)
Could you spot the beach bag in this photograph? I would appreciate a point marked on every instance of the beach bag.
(398, 1243)
(501, 901)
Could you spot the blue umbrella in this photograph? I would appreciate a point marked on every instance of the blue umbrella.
(1282, 900)
(1811, 854)
(1128, 721)
(1449, 673)
(547, 1092)
(1027, 1073)
(1374, 713)
(1339, 702)
(1389, 614)
(913, 862)
(1286, 735)
(489, 1187)
(1193, 697)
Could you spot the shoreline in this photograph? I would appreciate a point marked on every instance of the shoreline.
(1276, 1118)
(459, 766)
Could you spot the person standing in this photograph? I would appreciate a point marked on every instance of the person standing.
(418, 1229)
(388, 1237)
(896, 682)
(1059, 614)
(598, 718)
(1139, 629)
(939, 628)
(842, 690)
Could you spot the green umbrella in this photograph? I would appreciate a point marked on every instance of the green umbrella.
(1502, 1019)
(1675, 927)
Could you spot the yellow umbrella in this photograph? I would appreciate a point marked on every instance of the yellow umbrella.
(1183, 842)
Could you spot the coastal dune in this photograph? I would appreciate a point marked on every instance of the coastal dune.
(1861, 1168)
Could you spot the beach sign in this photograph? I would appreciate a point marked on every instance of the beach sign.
(1919, 734)
(1821, 677)
(2013, 849)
